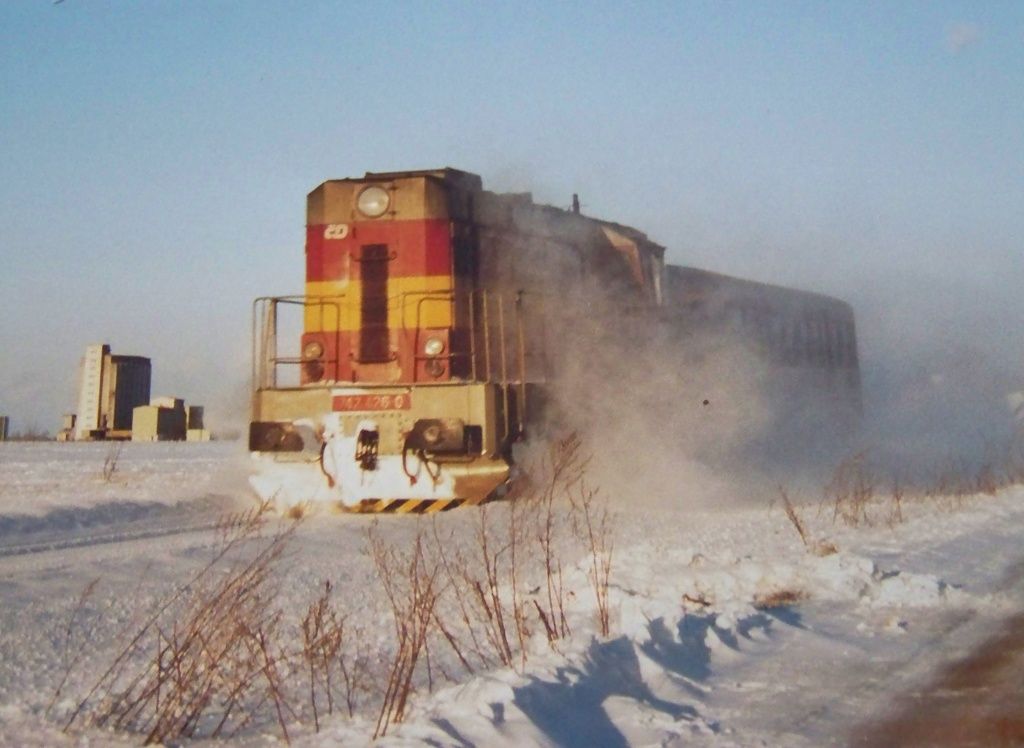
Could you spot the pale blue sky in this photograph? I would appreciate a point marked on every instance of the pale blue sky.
(156, 158)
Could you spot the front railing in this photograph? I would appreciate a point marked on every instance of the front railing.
(266, 360)
(494, 339)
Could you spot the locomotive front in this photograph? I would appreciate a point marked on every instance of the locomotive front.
(404, 392)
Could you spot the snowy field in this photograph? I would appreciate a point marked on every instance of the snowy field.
(725, 628)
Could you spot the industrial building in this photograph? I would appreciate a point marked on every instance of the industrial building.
(67, 429)
(167, 419)
(110, 388)
(114, 403)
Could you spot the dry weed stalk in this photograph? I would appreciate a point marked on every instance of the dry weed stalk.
(593, 523)
(896, 507)
(355, 669)
(68, 659)
(817, 547)
(455, 574)
(564, 468)
(492, 609)
(323, 633)
(215, 664)
(412, 585)
(489, 581)
(110, 461)
(794, 518)
(851, 490)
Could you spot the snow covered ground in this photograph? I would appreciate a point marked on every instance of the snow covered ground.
(724, 628)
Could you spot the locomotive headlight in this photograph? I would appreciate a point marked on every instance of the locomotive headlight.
(433, 346)
(313, 349)
(373, 201)
(432, 434)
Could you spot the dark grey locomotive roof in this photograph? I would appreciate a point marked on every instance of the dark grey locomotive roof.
(684, 285)
(690, 286)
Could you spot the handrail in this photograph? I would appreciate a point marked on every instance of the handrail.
(487, 327)
(521, 344)
(264, 336)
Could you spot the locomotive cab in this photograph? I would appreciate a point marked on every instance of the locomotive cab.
(410, 381)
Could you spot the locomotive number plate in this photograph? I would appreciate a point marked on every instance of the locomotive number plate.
(371, 402)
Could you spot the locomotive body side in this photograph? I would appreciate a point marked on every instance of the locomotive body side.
(806, 346)
(431, 312)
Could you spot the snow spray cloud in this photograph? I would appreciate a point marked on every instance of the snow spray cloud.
(670, 408)
(669, 416)
(943, 363)
(938, 334)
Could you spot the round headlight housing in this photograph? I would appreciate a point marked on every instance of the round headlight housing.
(373, 201)
(433, 346)
(313, 349)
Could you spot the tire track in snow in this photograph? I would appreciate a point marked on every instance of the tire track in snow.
(85, 541)
(104, 524)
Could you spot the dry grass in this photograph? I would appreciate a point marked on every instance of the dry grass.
(218, 656)
(851, 492)
(778, 599)
(206, 662)
(482, 581)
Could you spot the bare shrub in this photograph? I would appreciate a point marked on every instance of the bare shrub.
(412, 585)
(455, 570)
(563, 470)
(492, 608)
(485, 580)
(513, 568)
(954, 481)
(354, 665)
(206, 661)
(323, 632)
(850, 490)
(594, 525)
(31, 433)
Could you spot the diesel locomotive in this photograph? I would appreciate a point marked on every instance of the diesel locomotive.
(437, 316)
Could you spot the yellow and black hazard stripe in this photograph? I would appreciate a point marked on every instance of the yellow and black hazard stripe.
(416, 506)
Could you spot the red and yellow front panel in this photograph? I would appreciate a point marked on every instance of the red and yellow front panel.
(414, 293)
